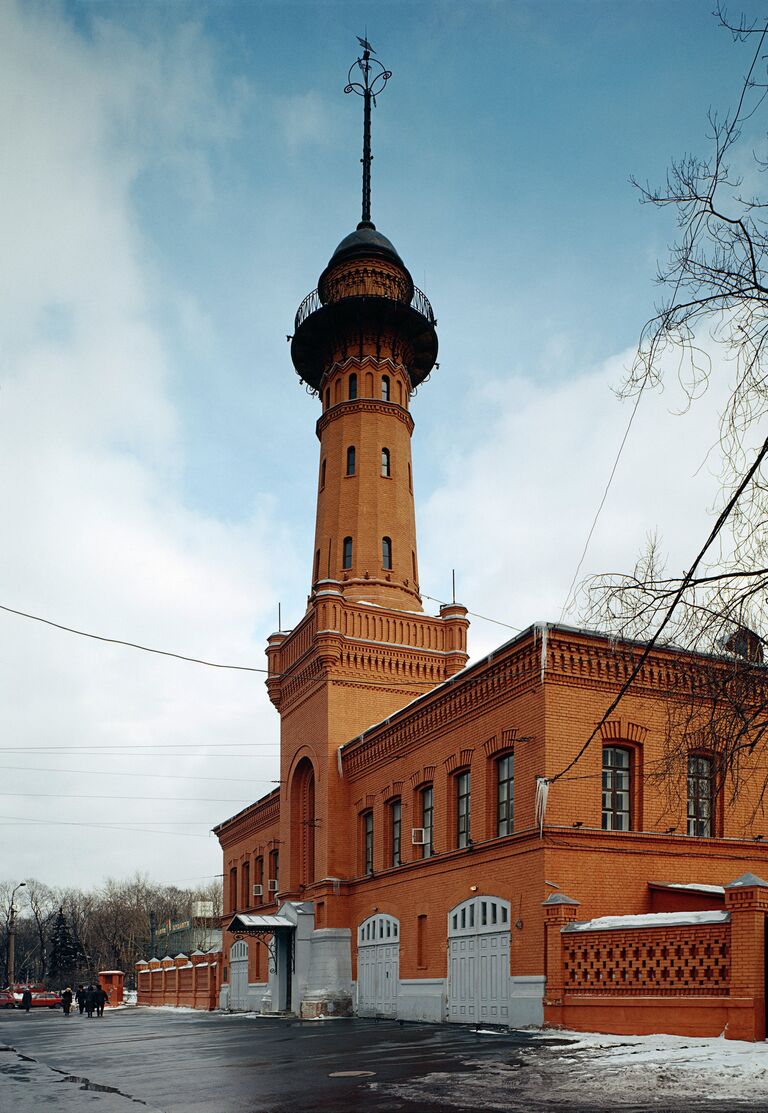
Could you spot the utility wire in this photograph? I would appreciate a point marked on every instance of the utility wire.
(601, 503)
(483, 617)
(145, 776)
(684, 583)
(130, 645)
(11, 820)
(100, 796)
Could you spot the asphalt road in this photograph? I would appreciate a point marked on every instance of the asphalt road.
(158, 1061)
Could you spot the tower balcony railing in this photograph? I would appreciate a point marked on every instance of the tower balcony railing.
(311, 304)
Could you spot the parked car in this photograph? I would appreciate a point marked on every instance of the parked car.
(7, 1000)
(42, 998)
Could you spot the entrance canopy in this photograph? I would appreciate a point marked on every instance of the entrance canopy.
(250, 924)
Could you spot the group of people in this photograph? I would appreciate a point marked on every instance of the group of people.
(89, 998)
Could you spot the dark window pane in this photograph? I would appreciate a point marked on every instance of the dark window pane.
(616, 795)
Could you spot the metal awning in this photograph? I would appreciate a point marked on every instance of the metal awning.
(247, 923)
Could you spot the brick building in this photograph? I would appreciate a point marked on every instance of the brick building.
(400, 870)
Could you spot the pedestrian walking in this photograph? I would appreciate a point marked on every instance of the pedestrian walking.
(26, 999)
(80, 998)
(101, 999)
(90, 1000)
(66, 1000)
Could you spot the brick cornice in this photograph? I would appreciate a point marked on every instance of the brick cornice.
(254, 818)
(497, 682)
(364, 405)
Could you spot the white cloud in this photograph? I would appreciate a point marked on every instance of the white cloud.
(96, 533)
(513, 509)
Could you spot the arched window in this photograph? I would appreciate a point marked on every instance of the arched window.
(386, 467)
(386, 552)
(302, 804)
(463, 809)
(367, 847)
(351, 460)
(327, 397)
(347, 557)
(385, 388)
(505, 794)
(700, 795)
(322, 475)
(617, 788)
(353, 385)
(395, 831)
(317, 565)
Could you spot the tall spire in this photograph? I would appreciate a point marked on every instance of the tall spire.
(375, 77)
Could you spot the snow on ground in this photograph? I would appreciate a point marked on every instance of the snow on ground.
(599, 1072)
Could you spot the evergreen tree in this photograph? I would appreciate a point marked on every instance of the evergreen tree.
(64, 956)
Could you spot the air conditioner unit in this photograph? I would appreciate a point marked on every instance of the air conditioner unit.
(419, 836)
(272, 885)
(258, 890)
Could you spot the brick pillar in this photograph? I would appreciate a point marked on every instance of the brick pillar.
(559, 910)
(746, 899)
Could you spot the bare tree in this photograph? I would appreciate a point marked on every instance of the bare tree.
(715, 284)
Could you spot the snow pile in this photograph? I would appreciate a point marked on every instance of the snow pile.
(650, 919)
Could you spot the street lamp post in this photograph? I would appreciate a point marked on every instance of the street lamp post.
(12, 936)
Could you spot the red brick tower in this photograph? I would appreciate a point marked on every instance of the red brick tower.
(363, 341)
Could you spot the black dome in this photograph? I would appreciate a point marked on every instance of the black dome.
(365, 240)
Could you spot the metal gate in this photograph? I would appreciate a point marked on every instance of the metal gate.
(478, 961)
(238, 975)
(378, 966)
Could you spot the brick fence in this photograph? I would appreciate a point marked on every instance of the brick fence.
(690, 974)
(192, 981)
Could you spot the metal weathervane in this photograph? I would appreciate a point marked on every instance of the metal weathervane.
(374, 78)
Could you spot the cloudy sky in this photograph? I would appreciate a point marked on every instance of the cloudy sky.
(175, 177)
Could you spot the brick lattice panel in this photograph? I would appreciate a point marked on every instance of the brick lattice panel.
(690, 961)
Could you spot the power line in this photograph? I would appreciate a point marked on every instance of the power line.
(129, 749)
(145, 776)
(12, 820)
(602, 501)
(130, 645)
(684, 583)
(100, 796)
(483, 617)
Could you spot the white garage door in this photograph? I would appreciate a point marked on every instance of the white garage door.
(238, 975)
(378, 966)
(478, 961)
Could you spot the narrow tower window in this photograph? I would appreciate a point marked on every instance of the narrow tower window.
(462, 809)
(353, 385)
(347, 561)
(386, 552)
(367, 842)
(317, 565)
(351, 460)
(410, 480)
(327, 397)
(322, 475)
(700, 784)
(386, 467)
(395, 830)
(505, 795)
(385, 388)
(427, 795)
(413, 562)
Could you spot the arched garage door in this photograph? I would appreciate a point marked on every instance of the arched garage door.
(378, 966)
(238, 975)
(478, 961)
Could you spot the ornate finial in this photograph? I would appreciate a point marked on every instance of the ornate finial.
(375, 77)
